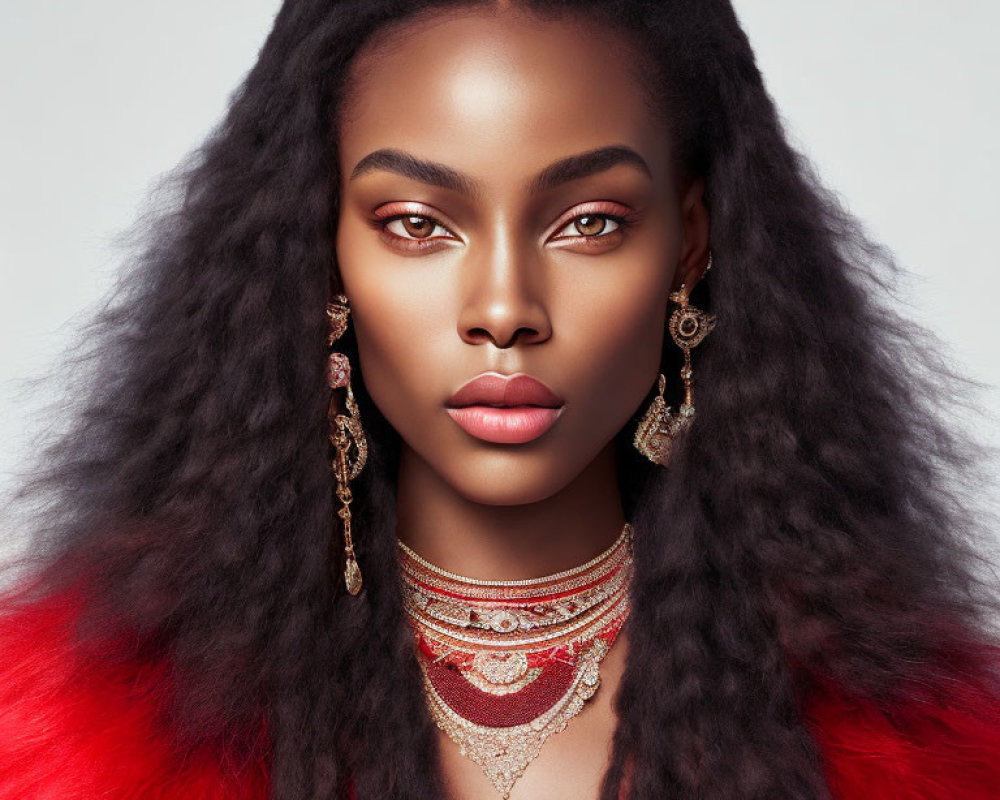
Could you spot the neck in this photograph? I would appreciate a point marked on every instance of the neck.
(508, 542)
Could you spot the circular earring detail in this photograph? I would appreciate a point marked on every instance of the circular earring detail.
(659, 427)
(346, 435)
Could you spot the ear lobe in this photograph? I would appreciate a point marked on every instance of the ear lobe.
(691, 270)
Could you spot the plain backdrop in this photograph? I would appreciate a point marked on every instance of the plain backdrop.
(896, 104)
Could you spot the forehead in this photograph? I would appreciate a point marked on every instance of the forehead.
(499, 94)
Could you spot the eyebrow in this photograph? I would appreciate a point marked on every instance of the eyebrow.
(567, 169)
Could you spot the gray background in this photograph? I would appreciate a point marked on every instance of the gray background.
(896, 103)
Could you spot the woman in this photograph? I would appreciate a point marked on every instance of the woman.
(608, 523)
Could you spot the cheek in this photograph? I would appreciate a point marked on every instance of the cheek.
(624, 363)
(399, 316)
(396, 333)
(614, 340)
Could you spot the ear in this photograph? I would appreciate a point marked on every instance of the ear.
(694, 232)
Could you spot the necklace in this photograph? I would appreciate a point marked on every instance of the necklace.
(506, 664)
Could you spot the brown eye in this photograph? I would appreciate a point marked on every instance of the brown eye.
(413, 231)
(418, 227)
(596, 227)
(590, 225)
(412, 228)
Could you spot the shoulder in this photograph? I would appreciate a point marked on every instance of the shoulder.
(75, 726)
(937, 744)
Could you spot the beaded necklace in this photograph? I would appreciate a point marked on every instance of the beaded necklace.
(506, 664)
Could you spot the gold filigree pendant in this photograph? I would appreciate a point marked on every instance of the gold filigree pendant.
(505, 753)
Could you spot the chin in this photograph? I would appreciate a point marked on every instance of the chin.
(510, 484)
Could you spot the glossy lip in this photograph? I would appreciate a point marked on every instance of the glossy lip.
(505, 409)
(494, 389)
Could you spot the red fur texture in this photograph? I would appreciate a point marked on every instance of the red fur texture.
(73, 728)
(944, 745)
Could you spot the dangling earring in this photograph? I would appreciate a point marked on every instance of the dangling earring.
(659, 427)
(345, 432)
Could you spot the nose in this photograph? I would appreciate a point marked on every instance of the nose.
(505, 301)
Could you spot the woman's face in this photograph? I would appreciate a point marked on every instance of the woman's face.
(508, 205)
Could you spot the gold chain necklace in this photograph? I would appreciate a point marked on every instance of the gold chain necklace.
(506, 664)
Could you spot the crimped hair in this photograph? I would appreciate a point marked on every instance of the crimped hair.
(806, 530)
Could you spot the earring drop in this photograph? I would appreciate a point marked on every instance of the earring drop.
(652, 436)
(659, 427)
(346, 435)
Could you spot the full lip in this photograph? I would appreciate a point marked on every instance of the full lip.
(504, 391)
(505, 409)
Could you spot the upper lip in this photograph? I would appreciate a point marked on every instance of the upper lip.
(494, 389)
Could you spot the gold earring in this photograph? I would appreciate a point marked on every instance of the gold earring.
(346, 435)
(652, 437)
(659, 426)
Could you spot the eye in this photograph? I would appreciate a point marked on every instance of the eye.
(591, 226)
(412, 231)
(414, 227)
(597, 227)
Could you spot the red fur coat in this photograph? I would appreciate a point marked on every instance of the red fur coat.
(76, 731)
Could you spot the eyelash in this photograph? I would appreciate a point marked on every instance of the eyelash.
(381, 224)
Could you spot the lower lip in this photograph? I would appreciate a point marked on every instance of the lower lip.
(515, 425)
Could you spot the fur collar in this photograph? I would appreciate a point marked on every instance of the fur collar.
(71, 730)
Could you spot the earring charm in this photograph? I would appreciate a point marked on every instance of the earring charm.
(346, 435)
(660, 427)
(653, 436)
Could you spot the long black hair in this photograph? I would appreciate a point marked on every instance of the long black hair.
(806, 529)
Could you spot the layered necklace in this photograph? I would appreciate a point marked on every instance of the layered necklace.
(506, 664)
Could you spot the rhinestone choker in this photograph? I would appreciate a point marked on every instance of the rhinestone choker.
(506, 664)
